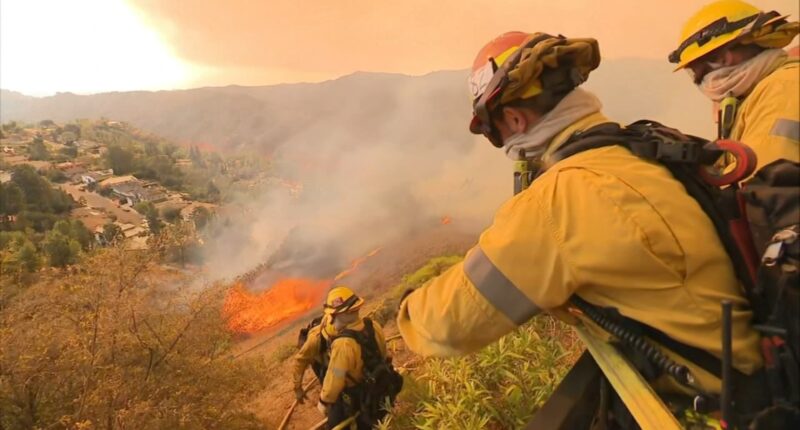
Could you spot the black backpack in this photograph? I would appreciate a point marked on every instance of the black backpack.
(302, 337)
(320, 368)
(381, 382)
(757, 221)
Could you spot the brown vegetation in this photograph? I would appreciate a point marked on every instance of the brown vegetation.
(119, 342)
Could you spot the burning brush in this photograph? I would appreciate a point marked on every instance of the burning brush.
(284, 301)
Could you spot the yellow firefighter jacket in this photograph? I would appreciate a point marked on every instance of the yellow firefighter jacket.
(768, 120)
(345, 368)
(604, 224)
(310, 352)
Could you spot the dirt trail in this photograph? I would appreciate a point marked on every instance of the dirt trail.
(375, 278)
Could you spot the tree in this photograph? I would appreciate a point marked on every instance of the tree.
(150, 215)
(151, 148)
(201, 216)
(63, 227)
(67, 137)
(11, 199)
(171, 214)
(55, 175)
(27, 257)
(37, 192)
(11, 127)
(112, 233)
(46, 123)
(144, 207)
(60, 249)
(37, 150)
(153, 222)
(75, 129)
(169, 149)
(81, 234)
(120, 159)
(69, 151)
(213, 192)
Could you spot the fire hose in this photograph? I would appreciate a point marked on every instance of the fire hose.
(294, 405)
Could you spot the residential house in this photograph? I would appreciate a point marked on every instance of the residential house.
(117, 180)
(73, 171)
(96, 176)
(132, 190)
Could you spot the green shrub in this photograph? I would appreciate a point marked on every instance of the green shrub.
(500, 386)
(387, 309)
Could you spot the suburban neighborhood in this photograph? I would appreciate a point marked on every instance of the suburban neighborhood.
(80, 168)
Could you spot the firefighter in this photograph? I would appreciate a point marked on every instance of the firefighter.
(314, 351)
(344, 387)
(605, 225)
(732, 51)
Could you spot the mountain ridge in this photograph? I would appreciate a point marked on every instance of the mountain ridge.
(355, 106)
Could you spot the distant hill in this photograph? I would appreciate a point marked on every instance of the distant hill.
(355, 108)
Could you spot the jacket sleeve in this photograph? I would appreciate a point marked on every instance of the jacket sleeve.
(343, 360)
(771, 122)
(303, 358)
(494, 290)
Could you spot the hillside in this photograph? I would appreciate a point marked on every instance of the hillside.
(357, 108)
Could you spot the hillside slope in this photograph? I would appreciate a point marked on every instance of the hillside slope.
(356, 108)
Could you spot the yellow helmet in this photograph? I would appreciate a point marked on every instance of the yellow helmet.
(718, 24)
(340, 300)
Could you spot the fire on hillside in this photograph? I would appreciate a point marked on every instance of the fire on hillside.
(283, 301)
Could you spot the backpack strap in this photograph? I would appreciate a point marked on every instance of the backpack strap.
(366, 340)
(683, 155)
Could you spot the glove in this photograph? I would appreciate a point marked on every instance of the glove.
(299, 394)
(322, 408)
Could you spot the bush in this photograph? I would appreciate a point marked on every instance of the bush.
(117, 344)
(55, 175)
(171, 214)
(283, 352)
(37, 150)
(500, 386)
(387, 309)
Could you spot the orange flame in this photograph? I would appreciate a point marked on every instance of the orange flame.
(287, 299)
(446, 220)
(355, 263)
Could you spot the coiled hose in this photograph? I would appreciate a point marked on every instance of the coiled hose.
(680, 372)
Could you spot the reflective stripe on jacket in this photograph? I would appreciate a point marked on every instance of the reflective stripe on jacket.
(604, 224)
(768, 120)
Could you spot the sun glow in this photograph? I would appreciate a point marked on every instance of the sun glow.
(82, 46)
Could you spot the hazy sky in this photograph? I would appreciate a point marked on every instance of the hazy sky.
(103, 45)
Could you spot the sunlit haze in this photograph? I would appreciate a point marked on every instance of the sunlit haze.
(89, 46)
(83, 46)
